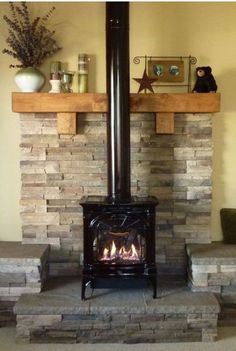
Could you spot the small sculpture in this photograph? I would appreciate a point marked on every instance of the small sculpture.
(205, 82)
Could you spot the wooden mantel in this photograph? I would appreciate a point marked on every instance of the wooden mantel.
(163, 104)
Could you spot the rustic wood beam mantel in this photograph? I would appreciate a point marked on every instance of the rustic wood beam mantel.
(163, 104)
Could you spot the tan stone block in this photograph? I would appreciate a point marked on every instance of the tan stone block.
(162, 192)
(199, 279)
(28, 205)
(30, 231)
(95, 190)
(30, 127)
(19, 268)
(39, 167)
(199, 192)
(159, 154)
(198, 218)
(5, 291)
(71, 192)
(204, 153)
(40, 192)
(228, 268)
(34, 179)
(49, 241)
(199, 167)
(40, 218)
(202, 240)
(18, 291)
(191, 231)
(205, 268)
(219, 279)
(71, 218)
(183, 153)
(33, 154)
(49, 130)
(86, 155)
(38, 320)
(40, 140)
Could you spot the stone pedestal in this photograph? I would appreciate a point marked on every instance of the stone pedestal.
(212, 268)
(23, 270)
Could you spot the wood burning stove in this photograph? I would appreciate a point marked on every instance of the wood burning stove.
(119, 230)
(119, 243)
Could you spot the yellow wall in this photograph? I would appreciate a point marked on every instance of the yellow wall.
(204, 30)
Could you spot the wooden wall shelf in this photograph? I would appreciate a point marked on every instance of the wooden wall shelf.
(163, 104)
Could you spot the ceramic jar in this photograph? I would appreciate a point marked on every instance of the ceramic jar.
(29, 79)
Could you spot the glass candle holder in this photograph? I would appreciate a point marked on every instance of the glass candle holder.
(66, 81)
(55, 70)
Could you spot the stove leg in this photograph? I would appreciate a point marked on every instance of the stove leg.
(83, 288)
(85, 283)
(154, 285)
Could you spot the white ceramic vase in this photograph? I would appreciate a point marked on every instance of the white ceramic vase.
(29, 79)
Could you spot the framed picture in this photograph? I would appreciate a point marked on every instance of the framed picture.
(166, 70)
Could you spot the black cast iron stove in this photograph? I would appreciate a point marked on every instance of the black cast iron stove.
(119, 230)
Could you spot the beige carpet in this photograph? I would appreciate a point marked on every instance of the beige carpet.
(227, 342)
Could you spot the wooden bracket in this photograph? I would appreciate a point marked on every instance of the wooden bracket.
(165, 123)
(66, 122)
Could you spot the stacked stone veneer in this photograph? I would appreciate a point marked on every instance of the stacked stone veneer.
(57, 170)
(23, 270)
(212, 268)
(122, 316)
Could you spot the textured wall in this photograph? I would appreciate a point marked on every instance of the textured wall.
(58, 170)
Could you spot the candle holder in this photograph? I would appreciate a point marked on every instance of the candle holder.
(66, 81)
(55, 85)
(55, 70)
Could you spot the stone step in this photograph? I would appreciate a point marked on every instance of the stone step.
(14, 252)
(124, 316)
(212, 254)
(23, 269)
(212, 268)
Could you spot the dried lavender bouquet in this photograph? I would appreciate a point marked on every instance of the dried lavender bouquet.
(30, 41)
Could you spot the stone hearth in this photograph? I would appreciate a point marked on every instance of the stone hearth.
(116, 316)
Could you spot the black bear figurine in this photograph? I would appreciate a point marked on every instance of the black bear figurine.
(205, 82)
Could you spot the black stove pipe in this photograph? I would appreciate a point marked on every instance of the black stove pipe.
(118, 117)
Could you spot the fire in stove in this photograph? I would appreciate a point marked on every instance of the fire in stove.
(115, 254)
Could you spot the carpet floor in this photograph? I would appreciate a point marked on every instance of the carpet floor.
(227, 341)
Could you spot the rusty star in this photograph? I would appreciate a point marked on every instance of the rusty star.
(145, 82)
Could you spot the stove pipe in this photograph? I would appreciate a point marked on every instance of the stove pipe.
(118, 117)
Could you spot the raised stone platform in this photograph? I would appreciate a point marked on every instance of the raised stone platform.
(116, 316)
(212, 268)
(22, 270)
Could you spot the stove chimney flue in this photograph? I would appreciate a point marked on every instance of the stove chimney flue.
(118, 117)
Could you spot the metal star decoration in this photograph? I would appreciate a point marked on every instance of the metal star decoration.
(145, 82)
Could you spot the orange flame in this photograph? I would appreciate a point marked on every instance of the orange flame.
(134, 253)
(113, 253)
(113, 250)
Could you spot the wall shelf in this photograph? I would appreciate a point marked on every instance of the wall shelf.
(164, 105)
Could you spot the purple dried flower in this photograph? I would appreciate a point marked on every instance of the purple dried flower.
(29, 41)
